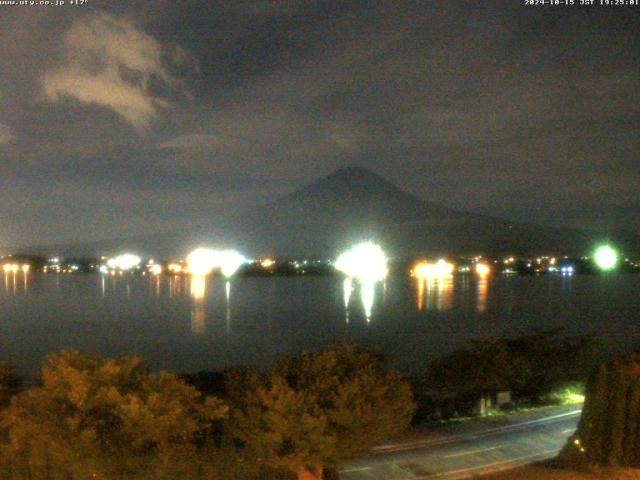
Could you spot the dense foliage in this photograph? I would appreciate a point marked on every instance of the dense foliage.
(319, 409)
(110, 418)
(529, 365)
(363, 401)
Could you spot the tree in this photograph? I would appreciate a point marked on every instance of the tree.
(364, 402)
(95, 417)
(320, 409)
(283, 428)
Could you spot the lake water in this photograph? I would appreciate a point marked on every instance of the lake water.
(188, 324)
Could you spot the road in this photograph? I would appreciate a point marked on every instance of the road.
(466, 455)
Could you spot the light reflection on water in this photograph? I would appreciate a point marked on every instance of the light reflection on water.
(195, 323)
(347, 287)
(199, 304)
(227, 291)
(157, 282)
(198, 311)
(175, 285)
(368, 296)
(483, 294)
(432, 294)
(16, 282)
(420, 282)
(435, 293)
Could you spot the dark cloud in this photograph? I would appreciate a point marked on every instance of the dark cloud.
(182, 109)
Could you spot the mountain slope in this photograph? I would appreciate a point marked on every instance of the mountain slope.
(354, 204)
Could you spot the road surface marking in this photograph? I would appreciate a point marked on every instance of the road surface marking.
(398, 447)
(471, 452)
(359, 469)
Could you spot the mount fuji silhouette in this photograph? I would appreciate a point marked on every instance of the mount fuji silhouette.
(354, 204)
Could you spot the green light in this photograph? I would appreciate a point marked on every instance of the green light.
(606, 257)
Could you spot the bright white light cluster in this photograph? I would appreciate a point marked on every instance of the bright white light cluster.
(126, 261)
(202, 261)
(229, 262)
(365, 262)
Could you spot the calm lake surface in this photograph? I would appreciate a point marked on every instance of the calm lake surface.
(188, 324)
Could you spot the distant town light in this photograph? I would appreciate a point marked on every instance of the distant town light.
(483, 269)
(202, 261)
(366, 262)
(126, 261)
(444, 268)
(156, 269)
(567, 270)
(267, 263)
(426, 270)
(605, 257)
(423, 270)
(174, 268)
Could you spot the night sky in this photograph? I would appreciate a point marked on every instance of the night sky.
(127, 118)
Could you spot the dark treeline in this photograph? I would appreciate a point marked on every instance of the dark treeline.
(530, 367)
